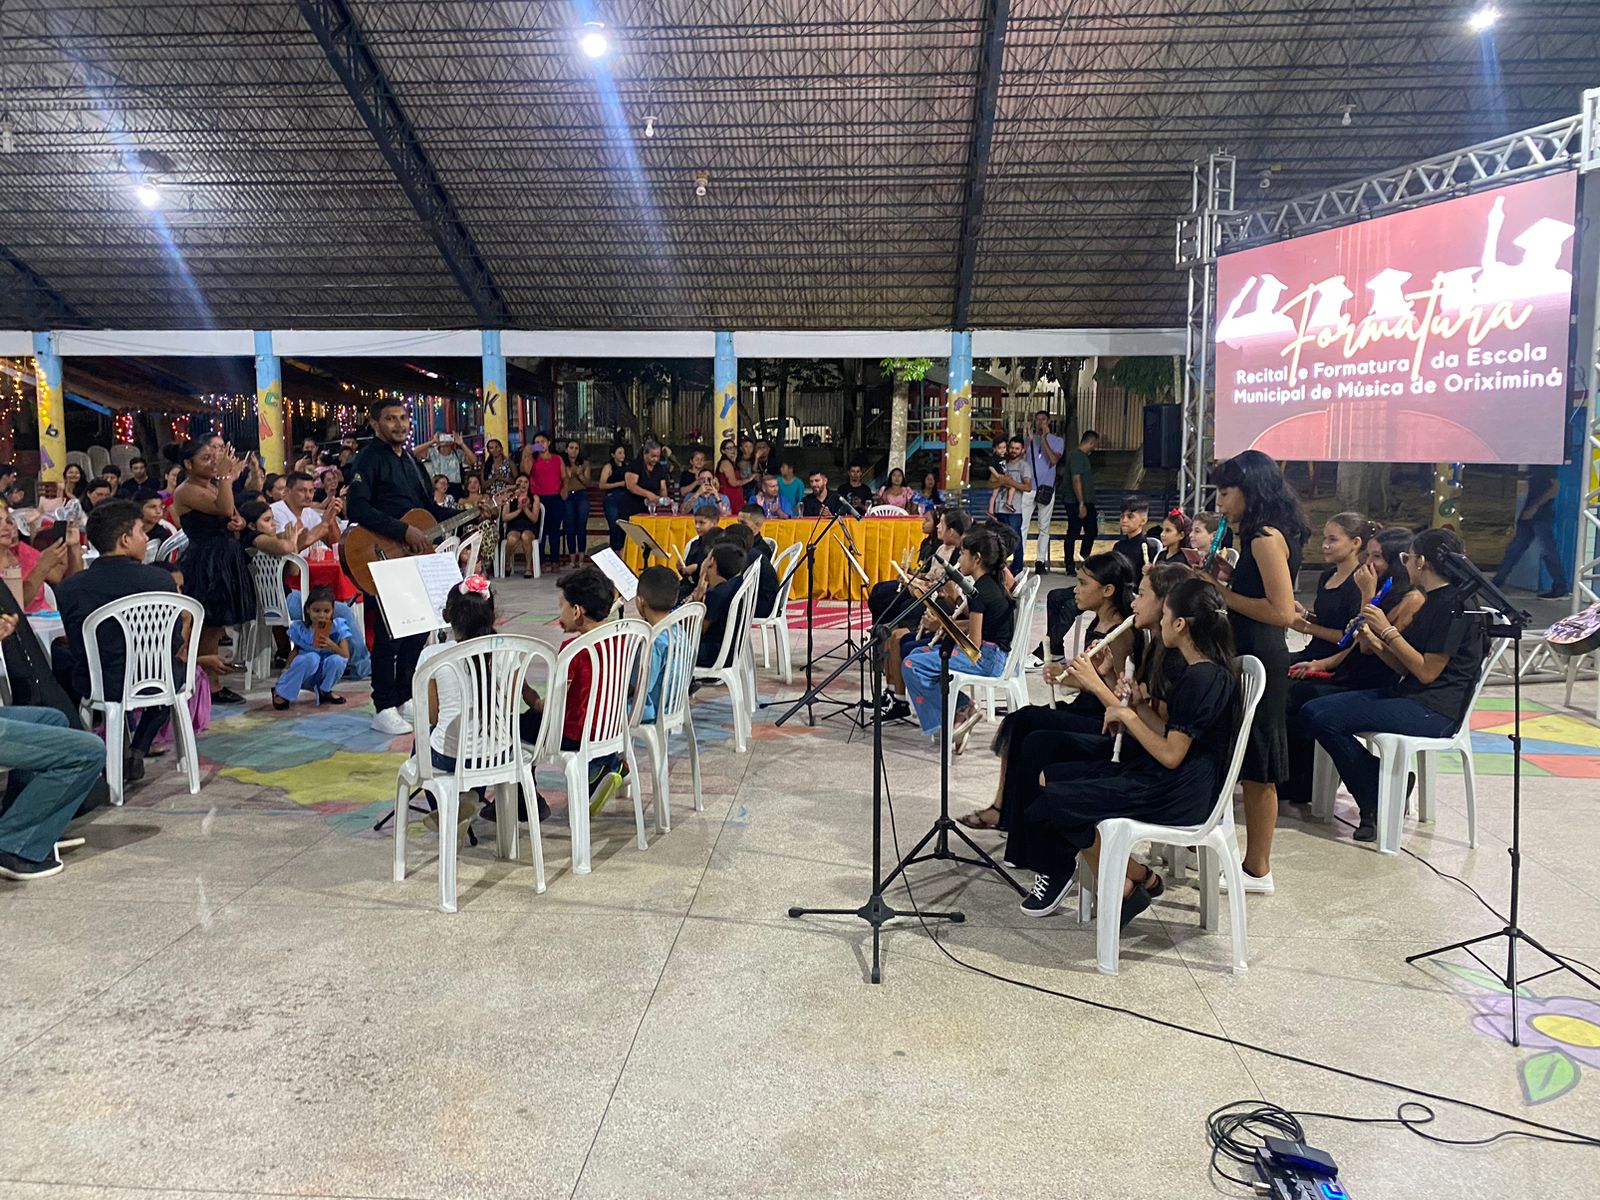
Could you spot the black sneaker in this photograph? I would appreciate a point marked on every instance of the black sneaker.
(1367, 831)
(898, 711)
(14, 866)
(226, 695)
(1046, 896)
(133, 768)
(1041, 569)
(1555, 594)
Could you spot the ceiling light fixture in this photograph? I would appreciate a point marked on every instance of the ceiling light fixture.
(593, 39)
(650, 126)
(8, 132)
(1484, 19)
(1345, 118)
(702, 181)
(149, 195)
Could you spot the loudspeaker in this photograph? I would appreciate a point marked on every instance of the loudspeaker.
(1163, 437)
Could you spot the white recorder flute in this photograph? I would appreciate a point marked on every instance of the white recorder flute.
(1124, 692)
(1106, 641)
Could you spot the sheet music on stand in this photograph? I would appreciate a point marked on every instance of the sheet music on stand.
(614, 569)
(412, 591)
(857, 569)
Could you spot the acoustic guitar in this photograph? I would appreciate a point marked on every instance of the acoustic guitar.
(1576, 635)
(359, 548)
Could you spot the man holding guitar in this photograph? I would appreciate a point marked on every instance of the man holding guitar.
(386, 483)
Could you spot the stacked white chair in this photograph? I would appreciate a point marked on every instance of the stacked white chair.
(468, 550)
(1396, 752)
(488, 672)
(886, 510)
(148, 625)
(1213, 839)
(775, 626)
(1011, 682)
(734, 666)
(682, 629)
(272, 609)
(618, 657)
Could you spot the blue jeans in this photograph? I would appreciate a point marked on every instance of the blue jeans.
(360, 665)
(555, 514)
(57, 765)
(1539, 531)
(921, 673)
(612, 504)
(577, 522)
(1335, 720)
(1014, 522)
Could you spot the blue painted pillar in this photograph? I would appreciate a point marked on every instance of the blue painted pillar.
(52, 400)
(496, 416)
(724, 395)
(269, 406)
(958, 425)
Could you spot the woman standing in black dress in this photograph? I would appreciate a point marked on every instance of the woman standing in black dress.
(213, 567)
(1252, 494)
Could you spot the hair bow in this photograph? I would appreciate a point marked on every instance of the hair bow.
(475, 583)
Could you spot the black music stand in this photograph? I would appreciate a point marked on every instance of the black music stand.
(1511, 623)
(647, 544)
(814, 694)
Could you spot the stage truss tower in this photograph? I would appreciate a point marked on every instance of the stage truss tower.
(1214, 226)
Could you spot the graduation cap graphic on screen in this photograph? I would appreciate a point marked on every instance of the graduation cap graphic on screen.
(1537, 274)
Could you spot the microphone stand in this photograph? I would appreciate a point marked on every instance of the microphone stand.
(877, 911)
(809, 558)
(1461, 572)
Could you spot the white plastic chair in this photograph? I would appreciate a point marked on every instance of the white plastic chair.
(147, 624)
(1395, 754)
(83, 463)
(617, 659)
(682, 628)
(99, 460)
(734, 667)
(1011, 682)
(1213, 839)
(488, 672)
(272, 609)
(775, 626)
(469, 550)
(500, 549)
(886, 510)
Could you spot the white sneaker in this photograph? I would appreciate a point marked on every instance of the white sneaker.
(1253, 885)
(408, 712)
(390, 721)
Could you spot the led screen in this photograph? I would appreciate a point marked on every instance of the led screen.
(1433, 335)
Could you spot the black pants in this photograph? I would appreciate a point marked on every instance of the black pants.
(394, 662)
(1044, 737)
(886, 598)
(1081, 529)
(1302, 742)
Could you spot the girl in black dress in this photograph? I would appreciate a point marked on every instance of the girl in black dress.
(213, 567)
(1105, 598)
(1174, 783)
(1345, 539)
(1252, 494)
(1355, 667)
(1176, 529)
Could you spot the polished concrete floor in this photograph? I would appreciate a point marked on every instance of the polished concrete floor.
(226, 995)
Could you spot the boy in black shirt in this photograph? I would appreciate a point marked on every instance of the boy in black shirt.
(723, 573)
(1137, 549)
(1440, 660)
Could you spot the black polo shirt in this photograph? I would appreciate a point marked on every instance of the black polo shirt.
(384, 486)
(108, 578)
(1442, 626)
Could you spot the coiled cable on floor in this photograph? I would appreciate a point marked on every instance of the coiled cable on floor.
(1269, 1114)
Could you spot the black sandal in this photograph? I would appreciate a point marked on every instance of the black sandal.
(1151, 877)
(971, 821)
(329, 698)
(279, 703)
(1134, 903)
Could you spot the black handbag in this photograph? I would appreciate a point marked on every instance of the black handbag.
(1044, 494)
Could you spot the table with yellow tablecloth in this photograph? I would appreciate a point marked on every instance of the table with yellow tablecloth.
(882, 541)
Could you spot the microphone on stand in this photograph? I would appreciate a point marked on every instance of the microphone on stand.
(954, 576)
(846, 508)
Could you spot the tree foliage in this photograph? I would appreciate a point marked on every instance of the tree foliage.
(907, 370)
(1147, 378)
